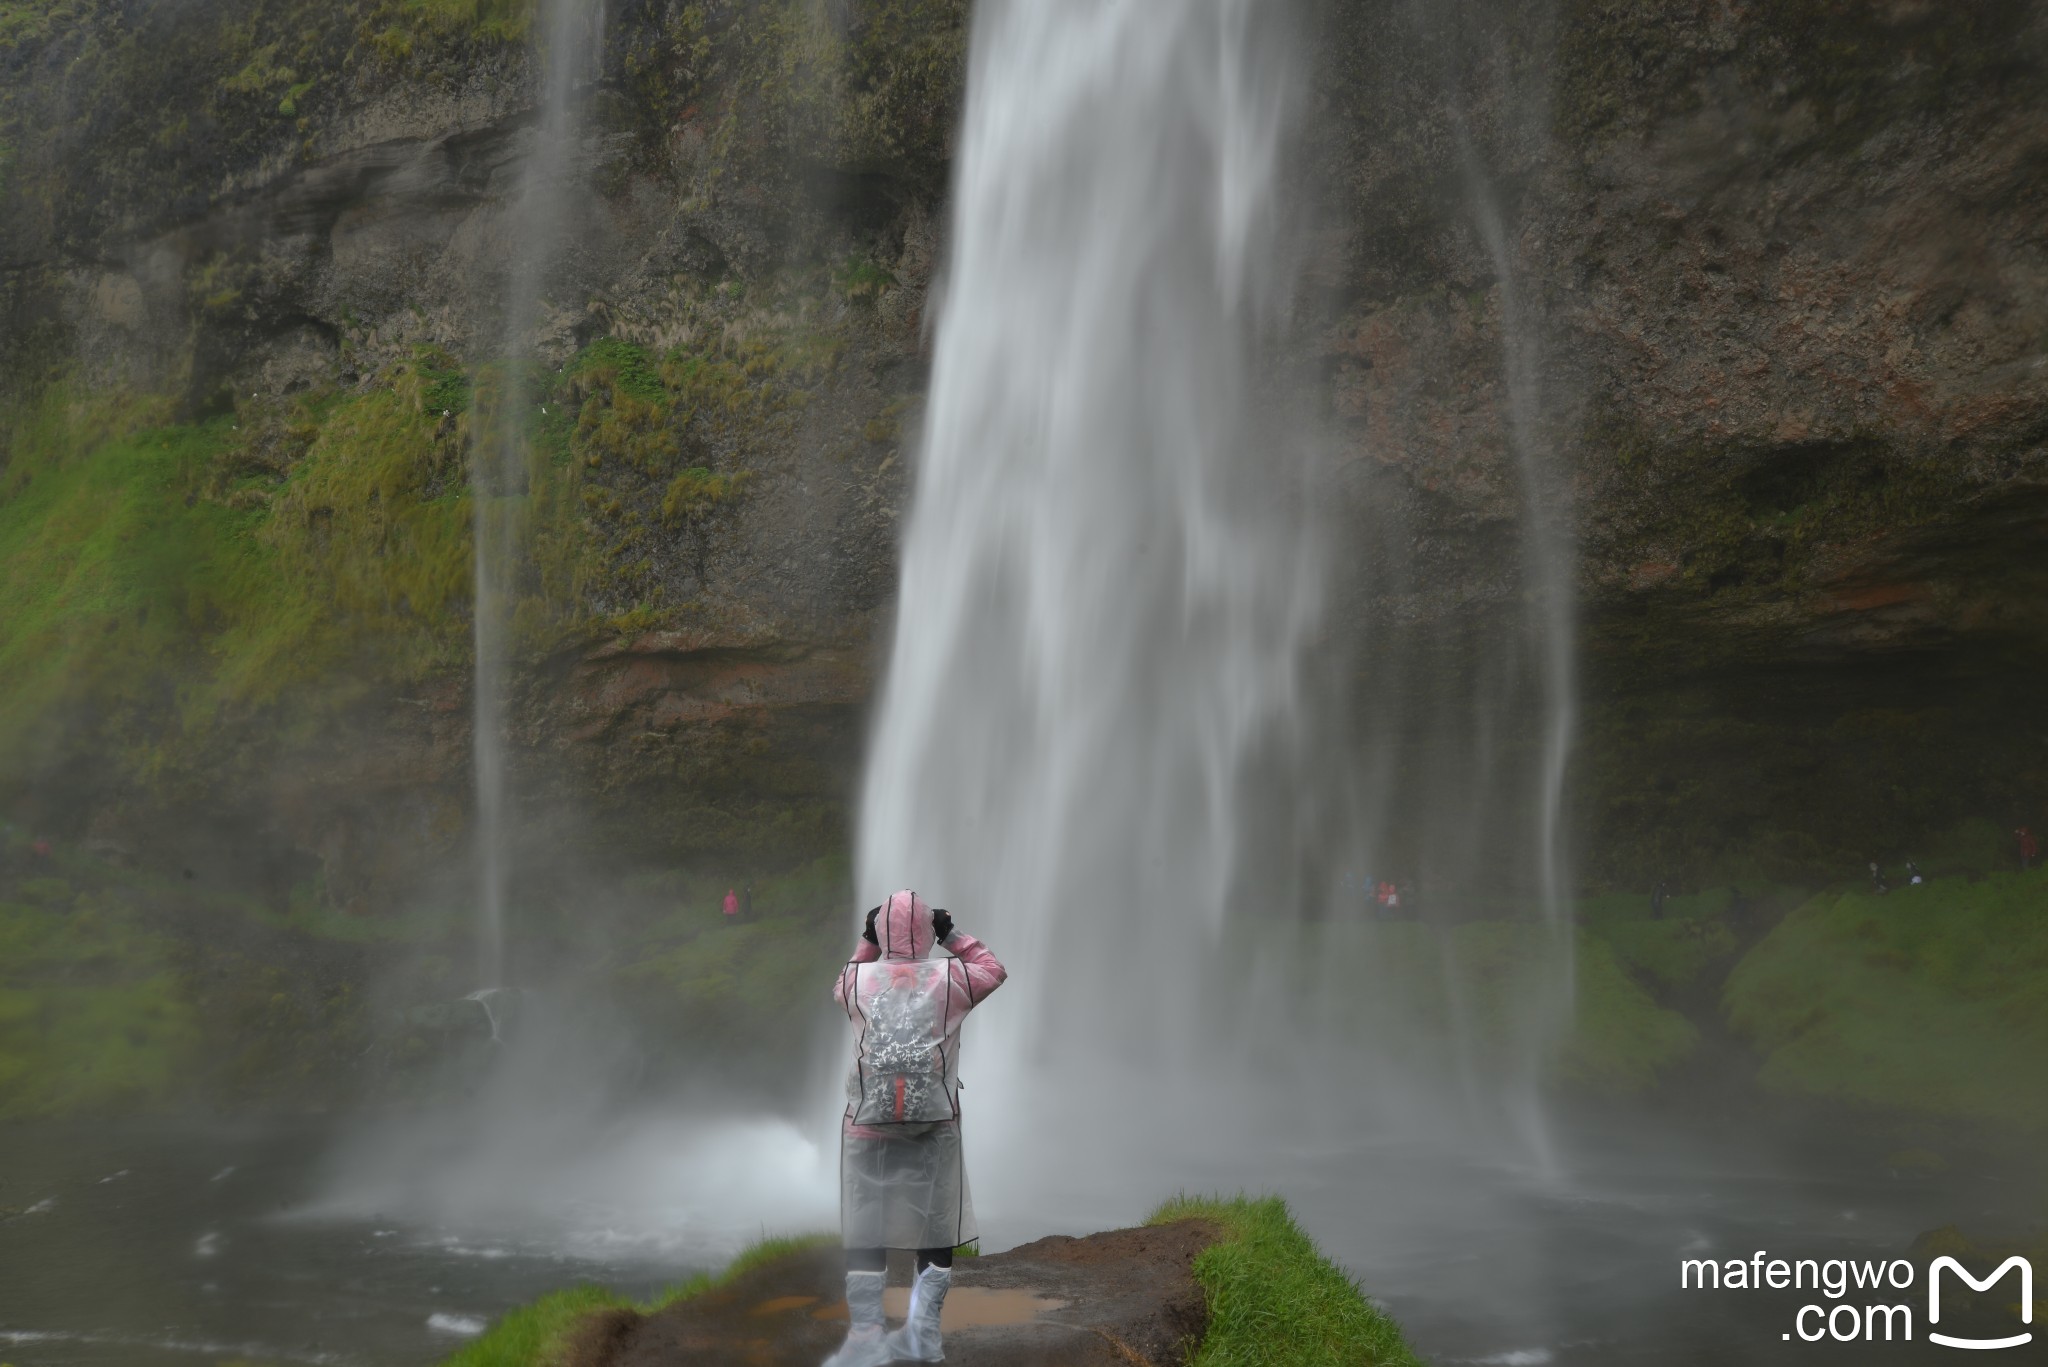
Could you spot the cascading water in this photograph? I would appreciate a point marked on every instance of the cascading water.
(1546, 569)
(1107, 738)
(1525, 697)
(1096, 714)
(570, 34)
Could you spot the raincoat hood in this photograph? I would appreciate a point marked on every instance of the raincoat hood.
(905, 926)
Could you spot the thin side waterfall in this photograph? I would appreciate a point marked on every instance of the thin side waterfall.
(1546, 555)
(568, 40)
(1549, 606)
(1097, 702)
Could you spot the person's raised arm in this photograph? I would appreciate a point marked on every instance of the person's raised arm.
(985, 973)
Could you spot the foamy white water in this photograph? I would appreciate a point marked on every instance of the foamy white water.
(649, 1186)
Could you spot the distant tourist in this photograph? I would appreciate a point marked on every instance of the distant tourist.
(746, 899)
(1877, 883)
(2028, 848)
(1658, 899)
(1913, 873)
(902, 1183)
(732, 904)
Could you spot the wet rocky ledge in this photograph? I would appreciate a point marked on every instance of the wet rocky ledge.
(1126, 1296)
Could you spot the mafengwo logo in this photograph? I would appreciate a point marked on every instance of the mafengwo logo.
(1934, 1271)
(1860, 1318)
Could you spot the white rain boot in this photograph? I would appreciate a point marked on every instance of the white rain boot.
(918, 1340)
(865, 1344)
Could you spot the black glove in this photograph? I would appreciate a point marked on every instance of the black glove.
(869, 933)
(942, 923)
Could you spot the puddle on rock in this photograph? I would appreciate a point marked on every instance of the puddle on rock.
(973, 1307)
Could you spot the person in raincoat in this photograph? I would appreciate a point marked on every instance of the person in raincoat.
(902, 1183)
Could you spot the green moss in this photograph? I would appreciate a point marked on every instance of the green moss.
(91, 1012)
(109, 1001)
(161, 577)
(26, 22)
(66, 1050)
(1616, 1038)
(1673, 951)
(396, 29)
(861, 278)
(1621, 1041)
(363, 559)
(625, 367)
(261, 73)
(657, 447)
(445, 387)
(1274, 1299)
(538, 1335)
(1932, 999)
(108, 560)
(697, 493)
(159, 581)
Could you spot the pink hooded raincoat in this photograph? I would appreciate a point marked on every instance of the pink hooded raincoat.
(902, 1180)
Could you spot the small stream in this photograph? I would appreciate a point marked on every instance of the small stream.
(178, 1248)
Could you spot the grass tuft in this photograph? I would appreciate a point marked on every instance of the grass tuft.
(538, 1335)
(1274, 1300)
(535, 1335)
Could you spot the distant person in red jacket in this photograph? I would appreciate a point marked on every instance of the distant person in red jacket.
(732, 904)
(2028, 848)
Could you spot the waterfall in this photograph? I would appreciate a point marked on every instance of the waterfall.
(568, 42)
(1549, 626)
(1096, 729)
(1528, 689)
(1107, 737)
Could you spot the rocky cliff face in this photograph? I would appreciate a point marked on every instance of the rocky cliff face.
(1778, 273)
(271, 215)
(1773, 276)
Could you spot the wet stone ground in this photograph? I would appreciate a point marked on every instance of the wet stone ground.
(1126, 1297)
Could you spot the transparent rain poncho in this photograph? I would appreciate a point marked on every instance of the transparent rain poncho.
(906, 1063)
(905, 1190)
(902, 1183)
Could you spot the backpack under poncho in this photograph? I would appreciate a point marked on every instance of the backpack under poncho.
(906, 1068)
